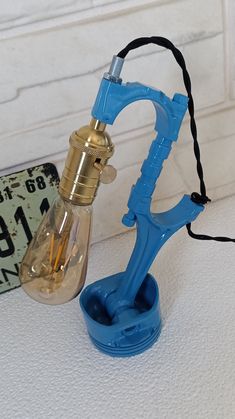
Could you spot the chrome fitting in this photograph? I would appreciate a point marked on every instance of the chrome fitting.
(115, 70)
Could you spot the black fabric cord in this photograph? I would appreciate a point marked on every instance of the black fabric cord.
(201, 198)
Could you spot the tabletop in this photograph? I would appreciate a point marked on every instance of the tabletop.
(50, 369)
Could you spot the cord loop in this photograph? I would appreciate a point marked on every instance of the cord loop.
(200, 199)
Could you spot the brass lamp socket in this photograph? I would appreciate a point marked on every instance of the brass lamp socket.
(90, 149)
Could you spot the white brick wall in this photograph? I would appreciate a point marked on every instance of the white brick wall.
(53, 55)
(230, 32)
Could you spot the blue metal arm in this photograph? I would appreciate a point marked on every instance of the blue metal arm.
(153, 230)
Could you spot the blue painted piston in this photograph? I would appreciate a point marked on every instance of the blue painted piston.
(133, 329)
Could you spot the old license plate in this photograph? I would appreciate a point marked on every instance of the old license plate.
(24, 199)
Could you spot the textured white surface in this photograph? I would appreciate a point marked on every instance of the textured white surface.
(49, 368)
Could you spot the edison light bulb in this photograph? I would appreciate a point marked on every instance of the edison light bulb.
(54, 268)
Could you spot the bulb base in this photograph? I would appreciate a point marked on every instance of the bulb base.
(90, 149)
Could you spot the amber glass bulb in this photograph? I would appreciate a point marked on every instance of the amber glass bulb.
(53, 270)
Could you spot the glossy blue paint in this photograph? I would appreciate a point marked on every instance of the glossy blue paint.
(122, 311)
